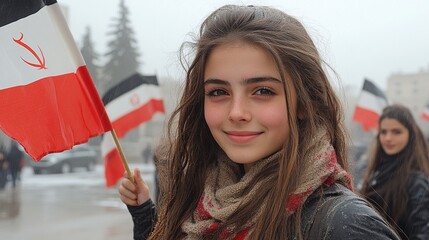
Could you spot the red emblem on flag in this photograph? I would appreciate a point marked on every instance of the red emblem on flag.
(135, 100)
(42, 62)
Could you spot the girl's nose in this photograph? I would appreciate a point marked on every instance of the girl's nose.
(239, 111)
(388, 136)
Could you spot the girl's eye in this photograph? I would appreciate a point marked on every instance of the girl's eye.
(216, 92)
(397, 132)
(264, 91)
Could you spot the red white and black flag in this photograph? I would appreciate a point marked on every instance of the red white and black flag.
(425, 113)
(48, 102)
(132, 102)
(370, 104)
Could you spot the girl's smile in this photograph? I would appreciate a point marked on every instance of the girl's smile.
(242, 137)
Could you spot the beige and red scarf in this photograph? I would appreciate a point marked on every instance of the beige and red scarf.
(223, 190)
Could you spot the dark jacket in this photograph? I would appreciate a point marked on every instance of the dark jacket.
(144, 217)
(331, 213)
(415, 224)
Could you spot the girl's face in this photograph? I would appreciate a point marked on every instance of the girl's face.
(393, 136)
(245, 104)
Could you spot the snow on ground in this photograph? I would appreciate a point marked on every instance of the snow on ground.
(80, 177)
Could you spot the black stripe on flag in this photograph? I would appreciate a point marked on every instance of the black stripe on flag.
(127, 85)
(370, 87)
(13, 10)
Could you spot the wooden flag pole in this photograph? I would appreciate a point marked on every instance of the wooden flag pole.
(124, 160)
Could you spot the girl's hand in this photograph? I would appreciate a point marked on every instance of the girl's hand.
(133, 193)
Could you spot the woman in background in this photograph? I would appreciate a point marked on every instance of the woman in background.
(397, 178)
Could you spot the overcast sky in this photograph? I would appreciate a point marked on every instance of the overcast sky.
(366, 38)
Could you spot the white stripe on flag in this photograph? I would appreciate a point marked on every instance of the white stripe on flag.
(132, 100)
(371, 102)
(108, 144)
(59, 50)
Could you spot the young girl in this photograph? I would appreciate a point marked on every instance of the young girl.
(397, 179)
(259, 145)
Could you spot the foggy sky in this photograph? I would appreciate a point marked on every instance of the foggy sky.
(366, 38)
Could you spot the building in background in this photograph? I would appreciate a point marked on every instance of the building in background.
(411, 90)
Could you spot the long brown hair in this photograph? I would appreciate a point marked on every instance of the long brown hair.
(414, 157)
(194, 149)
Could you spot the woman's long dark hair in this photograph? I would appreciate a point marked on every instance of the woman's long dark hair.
(414, 157)
(193, 149)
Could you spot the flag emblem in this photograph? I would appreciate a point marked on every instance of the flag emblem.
(135, 100)
(42, 62)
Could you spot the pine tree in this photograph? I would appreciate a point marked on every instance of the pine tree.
(91, 58)
(122, 53)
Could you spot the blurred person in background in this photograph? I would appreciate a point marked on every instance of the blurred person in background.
(147, 154)
(397, 178)
(15, 159)
(4, 166)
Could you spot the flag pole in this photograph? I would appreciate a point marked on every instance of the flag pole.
(124, 160)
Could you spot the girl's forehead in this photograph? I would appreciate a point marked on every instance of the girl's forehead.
(391, 123)
(242, 60)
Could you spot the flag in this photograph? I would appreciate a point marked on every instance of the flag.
(48, 102)
(370, 104)
(425, 114)
(130, 103)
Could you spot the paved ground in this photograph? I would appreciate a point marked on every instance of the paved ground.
(65, 206)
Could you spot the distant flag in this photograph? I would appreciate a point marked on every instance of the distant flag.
(48, 102)
(370, 104)
(132, 102)
(425, 114)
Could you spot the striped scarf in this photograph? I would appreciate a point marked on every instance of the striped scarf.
(223, 192)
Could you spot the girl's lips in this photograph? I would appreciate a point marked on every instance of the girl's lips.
(242, 137)
(389, 146)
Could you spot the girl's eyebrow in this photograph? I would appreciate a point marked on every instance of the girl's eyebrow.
(244, 82)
